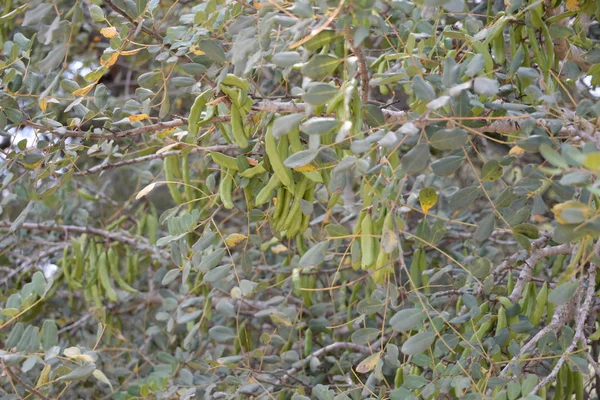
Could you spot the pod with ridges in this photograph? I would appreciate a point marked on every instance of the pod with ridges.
(226, 189)
(237, 127)
(275, 159)
(224, 161)
(104, 278)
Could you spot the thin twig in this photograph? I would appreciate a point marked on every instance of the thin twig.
(30, 264)
(363, 70)
(15, 377)
(505, 126)
(150, 157)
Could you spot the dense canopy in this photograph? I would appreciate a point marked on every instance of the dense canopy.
(328, 199)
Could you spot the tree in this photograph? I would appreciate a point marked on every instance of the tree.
(328, 199)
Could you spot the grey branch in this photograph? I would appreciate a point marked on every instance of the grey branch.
(579, 128)
(529, 265)
(139, 243)
(582, 315)
(324, 350)
(150, 157)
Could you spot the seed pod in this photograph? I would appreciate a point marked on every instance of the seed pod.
(224, 161)
(226, 189)
(113, 260)
(196, 111)
(237, 127)
(236, 81)
(171, 166)
(366, 242)
(284, 174)
(104, 278)
(265, 193)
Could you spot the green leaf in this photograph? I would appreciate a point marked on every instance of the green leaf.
(563, 293)
(528, 230)
(486, 86)
(319, 125)
(365, 335)
(96, 13)
(212, 50)
(320, 94)
(446, 166)
(552, 156)
(217, 273)
(320, 66)
(407, 319)
(283, 125)
(79, 373)
(417, 159)
(491, 171)
(300, 158)
(336, 230)
(449, 139)
(475, 66)
(286, 59)
(418, 343)
(221, 333)
(314, 256)
(464, 197)
(54, 58)
(35, 15)
(149, 79)
(212, 260)
(49, 335)
(170, 276)
(422, 89)
(485, 228)
(373, 115)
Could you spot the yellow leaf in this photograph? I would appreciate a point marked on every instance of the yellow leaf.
(109, 32)
(306, 168)
(233, 239)
(43, 104)
(572, 5)
(130, 52)
(145, 191)
(368, 363)
(165, 133)
(592, 161)
(278, 249)
(138, 117)
(571, 212)
(428, 197)
(110, 61)
(84, 90)
(516, 151)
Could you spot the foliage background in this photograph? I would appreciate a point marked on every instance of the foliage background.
(428, 228)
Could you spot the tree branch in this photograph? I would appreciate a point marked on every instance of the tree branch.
(15, 377)
(582, 313)
(530, 263)
(139, 243)
(324, 350)
(582, 128)
(149, 157)
(363, 71)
